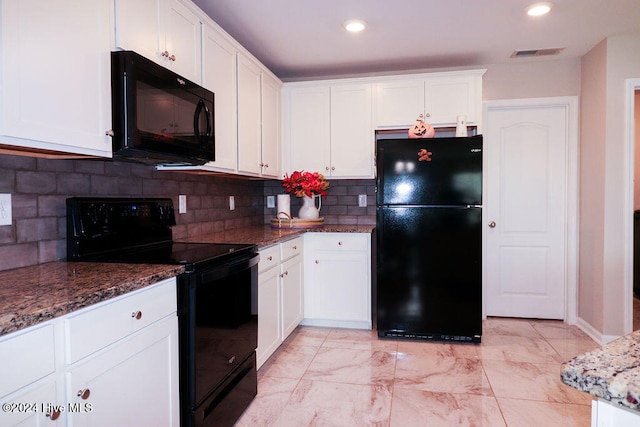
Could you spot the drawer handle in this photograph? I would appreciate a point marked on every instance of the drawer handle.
(53, 415)
(84, 393)
(137, 315)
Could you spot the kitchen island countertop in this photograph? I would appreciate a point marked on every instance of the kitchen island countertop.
(611, 372)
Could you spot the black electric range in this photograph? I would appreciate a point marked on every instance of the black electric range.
(217, 297)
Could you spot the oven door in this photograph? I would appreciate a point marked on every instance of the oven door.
(218, 333)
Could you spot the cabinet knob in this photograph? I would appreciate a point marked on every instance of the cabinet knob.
(333, 168)
(84, 393)
(53, 415)
(428, 114)
(266, 165)
(317, 262)
(269, 258)
(165, 53)
(339, 243)
(295, 247)
(110, 133)
(137, 315)
(173, 58)
(326, 168)
(232, 359)
(492, 224)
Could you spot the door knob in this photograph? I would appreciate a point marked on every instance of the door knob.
(492, 224)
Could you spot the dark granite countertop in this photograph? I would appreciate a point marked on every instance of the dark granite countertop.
(30, 295)
(611, 372)
(34, 294)
(266, 235)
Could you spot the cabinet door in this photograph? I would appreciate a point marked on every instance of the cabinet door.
(219, 76)
(448, 97)
(310, 121)
(271, 127)
(337, 289)
(139, 26)
(269, 337)
(37, 406)
(399, 103)
(292, 301)
(133, 382)
(53, 99)
(249, 116)
(352, 133)
(183, 41)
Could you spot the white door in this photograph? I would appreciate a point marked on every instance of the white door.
(526, 211)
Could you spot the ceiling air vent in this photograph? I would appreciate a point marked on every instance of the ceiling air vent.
(536, 52)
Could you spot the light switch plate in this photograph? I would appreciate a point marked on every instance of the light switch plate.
(271, 201)
(362, 200)
(182, 203)
(5, 209)
(232, 203)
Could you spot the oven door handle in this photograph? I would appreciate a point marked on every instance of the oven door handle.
(209, 275)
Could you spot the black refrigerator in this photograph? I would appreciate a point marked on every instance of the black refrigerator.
(429, 239)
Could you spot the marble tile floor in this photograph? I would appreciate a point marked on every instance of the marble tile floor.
(341, 377)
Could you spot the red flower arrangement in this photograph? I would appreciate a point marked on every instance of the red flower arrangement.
(302, 183)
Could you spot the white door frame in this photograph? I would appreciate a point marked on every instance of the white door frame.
(631, 85)
(570, 103)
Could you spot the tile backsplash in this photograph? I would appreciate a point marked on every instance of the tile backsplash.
(39, 188)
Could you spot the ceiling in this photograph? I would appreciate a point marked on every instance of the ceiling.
(300, 40)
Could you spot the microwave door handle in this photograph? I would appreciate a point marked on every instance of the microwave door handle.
(209, 119)
(196, 120)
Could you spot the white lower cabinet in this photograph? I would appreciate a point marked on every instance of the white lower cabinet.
(132, 382)
(112, 363)
(607, 414)
(280, 298)
(337, 281)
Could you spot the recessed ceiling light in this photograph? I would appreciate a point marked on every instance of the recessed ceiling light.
(539, 9)
(354, 25)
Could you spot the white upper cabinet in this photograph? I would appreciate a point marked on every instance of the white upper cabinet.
(271, 153)
(165, 31)
(309, 128)
(219, 76)
(249, 116)
(352, 137)
(56, 87)
(331, 130)
(439, 97)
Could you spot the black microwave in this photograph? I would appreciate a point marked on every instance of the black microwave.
(157, 115)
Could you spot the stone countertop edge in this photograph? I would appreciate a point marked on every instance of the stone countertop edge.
(265, 235)
(35, 294)
(611, 372)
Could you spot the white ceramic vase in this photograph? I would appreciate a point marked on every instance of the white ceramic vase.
(309, 209)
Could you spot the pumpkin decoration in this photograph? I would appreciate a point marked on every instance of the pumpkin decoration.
(421, 129)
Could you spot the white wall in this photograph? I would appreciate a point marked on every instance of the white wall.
(524, 78)
(636, 195)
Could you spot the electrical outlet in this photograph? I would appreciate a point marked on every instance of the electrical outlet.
(182, 203)
(232, 203)
(5, 209)
(271, 201)
(362, 200)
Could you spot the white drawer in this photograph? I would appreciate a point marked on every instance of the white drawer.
(269, 257)
(98, 326)
(291, 248)
(341, 241)
(26, 356)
